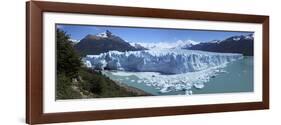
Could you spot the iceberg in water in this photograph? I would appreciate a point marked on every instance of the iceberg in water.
(167, 70)
(171, 83)
(164, 61)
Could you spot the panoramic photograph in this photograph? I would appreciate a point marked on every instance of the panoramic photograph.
(114, 61)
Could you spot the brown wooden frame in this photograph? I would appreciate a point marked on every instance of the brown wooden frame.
(34, 61)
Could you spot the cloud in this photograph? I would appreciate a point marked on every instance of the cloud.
(74, 40)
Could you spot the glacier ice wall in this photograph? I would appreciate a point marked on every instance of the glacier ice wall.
(166, 61)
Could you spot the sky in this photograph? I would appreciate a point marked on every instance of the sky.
(143, 35)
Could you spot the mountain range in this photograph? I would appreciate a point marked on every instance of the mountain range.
(166, 45)
(236, 44)
(106, 41)
(103, 42)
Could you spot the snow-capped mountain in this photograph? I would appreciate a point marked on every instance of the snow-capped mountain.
(242, 37)
(105, 34)
(167, 61)
(214, 41)
(166, 45)
(102, 42)
(249, 37)
(138, 46)
(235, 44)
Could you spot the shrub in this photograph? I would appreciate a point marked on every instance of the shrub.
(64, 89)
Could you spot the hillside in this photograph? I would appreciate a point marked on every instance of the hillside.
(236, 44)
(103, 42)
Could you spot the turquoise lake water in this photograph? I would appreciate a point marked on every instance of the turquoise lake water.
(238, 77)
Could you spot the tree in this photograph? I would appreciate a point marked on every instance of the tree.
(68, 65)
(97, 85)
(68, 61)
(64, 89)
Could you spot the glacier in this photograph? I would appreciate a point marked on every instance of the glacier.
(167, 70)
(164, 61)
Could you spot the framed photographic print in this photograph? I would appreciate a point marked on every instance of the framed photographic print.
(95, 62)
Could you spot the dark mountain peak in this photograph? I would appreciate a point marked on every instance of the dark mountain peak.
(240, 37)
(102, 35)
(103, 42)
(108, 33)
(234, 44)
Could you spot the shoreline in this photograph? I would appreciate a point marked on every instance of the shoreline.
(137, 91)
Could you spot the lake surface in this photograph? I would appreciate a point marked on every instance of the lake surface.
(237, 77)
